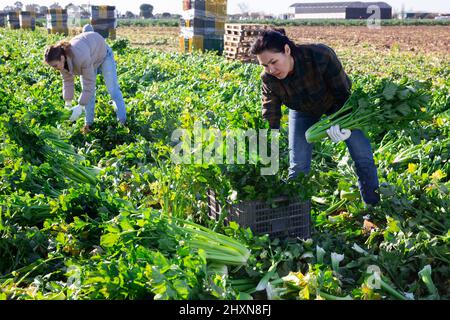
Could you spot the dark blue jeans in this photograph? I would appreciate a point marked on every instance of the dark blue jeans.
(300, 153)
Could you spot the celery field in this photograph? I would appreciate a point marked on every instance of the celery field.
(108, 215)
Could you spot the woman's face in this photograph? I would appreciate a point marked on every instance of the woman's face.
(58, 64)
(277, 64)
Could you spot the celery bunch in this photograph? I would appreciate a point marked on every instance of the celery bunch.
(394, 105)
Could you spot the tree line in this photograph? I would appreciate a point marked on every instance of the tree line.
(145, 11)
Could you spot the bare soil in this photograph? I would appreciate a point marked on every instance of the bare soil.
(420, 39)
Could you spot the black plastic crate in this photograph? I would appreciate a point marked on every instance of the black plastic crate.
(57, 12)
(106, 33)
(287, 219)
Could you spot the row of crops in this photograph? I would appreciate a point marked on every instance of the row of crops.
(108, 215)
(293, 22)
(169, 22)
(348, 22)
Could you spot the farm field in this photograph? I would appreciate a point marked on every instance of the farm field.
(108, 215)
(423, 39)
(155, 38)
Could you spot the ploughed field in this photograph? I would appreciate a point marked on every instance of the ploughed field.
(424, 39)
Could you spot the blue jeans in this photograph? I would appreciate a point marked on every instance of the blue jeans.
(300, 154)
(108, 69)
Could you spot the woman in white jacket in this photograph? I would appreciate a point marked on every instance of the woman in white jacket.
(86, 55)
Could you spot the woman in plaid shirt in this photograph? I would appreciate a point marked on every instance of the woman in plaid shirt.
(310, 81)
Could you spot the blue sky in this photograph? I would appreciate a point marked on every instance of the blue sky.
(268, 6)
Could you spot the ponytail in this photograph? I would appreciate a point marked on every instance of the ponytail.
(53, 53)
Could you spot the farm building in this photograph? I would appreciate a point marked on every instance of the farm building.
(339, 10)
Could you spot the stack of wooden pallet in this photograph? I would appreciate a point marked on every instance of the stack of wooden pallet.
(2, 19)
(104, 20)
(57, 21)
(238, 40)
(203, 25)
(27, 20)
(13, 20)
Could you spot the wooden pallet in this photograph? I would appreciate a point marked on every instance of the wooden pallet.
(233, 45)
(243, 33)
(238, 44)
(237, 50)
(243, 26)
(238, 39)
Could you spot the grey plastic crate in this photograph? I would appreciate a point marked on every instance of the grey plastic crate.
(288, 219)
(13, 20)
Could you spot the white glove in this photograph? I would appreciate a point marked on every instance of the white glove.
(337, 135)
(76, 113)
(113, 104)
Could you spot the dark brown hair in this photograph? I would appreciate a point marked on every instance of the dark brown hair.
(54, 53)
(274, 40)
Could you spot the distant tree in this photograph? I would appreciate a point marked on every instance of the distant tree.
(18, 5)
(55, 6)
(146, 10)
(82, 11)
(85, 11)
(243, 7)
(129, 15)
(166, 15)
(32, 7)
(43, 10)
(8, 8)
(403, 12)
(395, 14)
(255, 15)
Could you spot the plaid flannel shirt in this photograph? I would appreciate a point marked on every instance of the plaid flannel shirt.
(317, 84)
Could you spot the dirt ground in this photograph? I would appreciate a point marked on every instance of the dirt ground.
(423, 39)
(158, 38)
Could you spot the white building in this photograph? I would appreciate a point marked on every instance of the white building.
(339, 10)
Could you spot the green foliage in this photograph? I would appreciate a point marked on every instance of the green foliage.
(92, 216)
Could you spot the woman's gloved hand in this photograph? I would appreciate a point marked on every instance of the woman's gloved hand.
(76, 113)
(337, 135)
